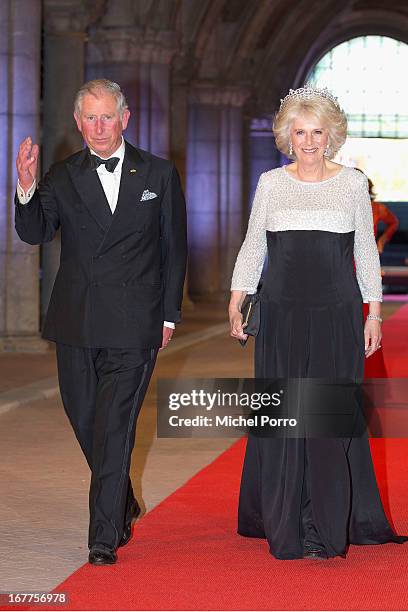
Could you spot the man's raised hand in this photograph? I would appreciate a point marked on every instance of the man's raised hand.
(26, 163)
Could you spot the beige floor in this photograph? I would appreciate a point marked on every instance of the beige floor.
(44, 479)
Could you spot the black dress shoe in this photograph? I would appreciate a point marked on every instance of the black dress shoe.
(127, 534)
(127, 531)
(102, 557)
(312, 551)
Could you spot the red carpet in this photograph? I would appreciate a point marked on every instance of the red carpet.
(185, 554)
(395, 343)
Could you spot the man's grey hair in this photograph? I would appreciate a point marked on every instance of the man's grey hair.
(97, 86)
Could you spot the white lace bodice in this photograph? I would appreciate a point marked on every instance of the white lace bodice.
(338, 204)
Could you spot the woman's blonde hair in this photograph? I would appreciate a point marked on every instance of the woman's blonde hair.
(324, 109)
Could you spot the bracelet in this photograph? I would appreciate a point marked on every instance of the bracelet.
(371, 317)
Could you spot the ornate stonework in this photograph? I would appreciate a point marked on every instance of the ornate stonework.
(209, 94)
(132, 44)
(71, 16)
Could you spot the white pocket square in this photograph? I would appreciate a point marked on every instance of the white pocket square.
(148, 195)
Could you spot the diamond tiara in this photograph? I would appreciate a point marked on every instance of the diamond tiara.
(307, 93)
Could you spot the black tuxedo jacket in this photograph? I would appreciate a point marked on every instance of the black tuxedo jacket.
(121, 275)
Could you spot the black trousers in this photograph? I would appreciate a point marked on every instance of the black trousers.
(102, 391)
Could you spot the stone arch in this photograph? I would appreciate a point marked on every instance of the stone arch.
(378, 23)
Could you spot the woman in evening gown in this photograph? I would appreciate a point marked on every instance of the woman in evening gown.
(311, 496)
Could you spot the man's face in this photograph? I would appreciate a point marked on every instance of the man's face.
(100, 123)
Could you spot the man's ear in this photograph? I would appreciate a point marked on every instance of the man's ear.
(78, 122)
(125, 118)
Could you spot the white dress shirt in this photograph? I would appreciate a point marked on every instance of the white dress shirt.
(110, 182)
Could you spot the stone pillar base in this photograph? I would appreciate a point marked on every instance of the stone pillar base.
(20, 343)
(187, 304)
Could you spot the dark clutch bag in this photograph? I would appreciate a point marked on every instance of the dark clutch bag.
(251, 316)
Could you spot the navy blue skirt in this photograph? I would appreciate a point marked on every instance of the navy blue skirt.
(319, 491)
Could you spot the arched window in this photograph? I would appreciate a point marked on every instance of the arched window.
(367, 76)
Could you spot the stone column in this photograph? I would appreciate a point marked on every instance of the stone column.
(178, 138)
(20, 46)
(64, 50)
(112, 54)
(263, 154)
(142, 67)
(155, 94)
(215, 187)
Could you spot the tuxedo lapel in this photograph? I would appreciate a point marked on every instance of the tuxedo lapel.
(132, 184)
(133, 179)
(90, 190)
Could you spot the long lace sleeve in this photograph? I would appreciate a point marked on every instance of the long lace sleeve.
(251, 257)
(366, 256)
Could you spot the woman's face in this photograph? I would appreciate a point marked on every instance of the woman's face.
(309, 139)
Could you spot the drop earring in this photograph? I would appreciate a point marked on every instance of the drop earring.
(290, 148)
(327, 151)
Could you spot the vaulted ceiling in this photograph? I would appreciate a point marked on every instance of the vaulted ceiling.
(266, 46)
(271, 45)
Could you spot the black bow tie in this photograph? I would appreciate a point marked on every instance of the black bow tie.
(110, 164)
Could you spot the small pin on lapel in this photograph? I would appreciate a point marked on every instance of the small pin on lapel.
(132, 170)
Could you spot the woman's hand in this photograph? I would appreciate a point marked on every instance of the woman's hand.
(237, 331)
(235, 316)
(372, 337)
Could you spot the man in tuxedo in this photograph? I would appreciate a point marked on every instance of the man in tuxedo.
(117, 294)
